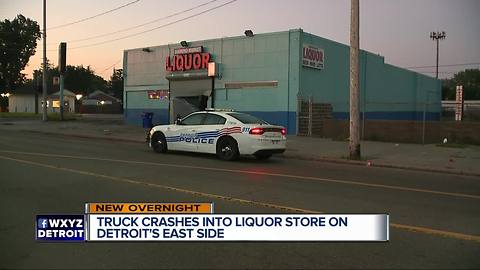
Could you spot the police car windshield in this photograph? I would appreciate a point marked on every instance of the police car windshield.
(246, 118)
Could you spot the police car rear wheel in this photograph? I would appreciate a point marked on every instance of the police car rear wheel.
(159, 143)
(227, 149)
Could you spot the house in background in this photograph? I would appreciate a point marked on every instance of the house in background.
(24, 99)
(53, 101)
(100, 102)
(27, 99)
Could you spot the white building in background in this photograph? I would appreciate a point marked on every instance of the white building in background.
(21, 103)
(68, 99)
(25, 99)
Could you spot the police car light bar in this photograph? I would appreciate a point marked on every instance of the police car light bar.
(218, 110)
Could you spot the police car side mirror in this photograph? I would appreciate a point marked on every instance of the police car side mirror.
(178, 122)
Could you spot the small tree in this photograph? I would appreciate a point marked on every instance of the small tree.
(78, 79)
(115, 85)
(469, 79)
(18, 41)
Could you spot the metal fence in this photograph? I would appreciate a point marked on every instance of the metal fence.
(471, 110)
(311, 116)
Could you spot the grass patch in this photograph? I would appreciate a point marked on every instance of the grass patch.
(66, 116)
(452, 145)
(50, 116)
(19, 115)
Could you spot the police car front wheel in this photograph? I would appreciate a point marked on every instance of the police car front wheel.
(227, 149)
(159, 143)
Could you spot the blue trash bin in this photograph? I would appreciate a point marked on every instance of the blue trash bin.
(147, 118)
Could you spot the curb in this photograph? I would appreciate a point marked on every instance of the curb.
(85, 136)
(379, 165)
(286, 156)
(426, 169)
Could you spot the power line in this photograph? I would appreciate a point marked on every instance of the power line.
(143, 24)
(445, 72)
(94, 16)
(126, 29)
(103, 71)
(150, 30)
(155, 28)
(449, 65)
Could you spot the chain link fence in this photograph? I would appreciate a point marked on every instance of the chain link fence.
(314, 119)
(471, 110)
(311, 116)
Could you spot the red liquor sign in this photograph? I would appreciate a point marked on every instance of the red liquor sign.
(312, 56)
(183, 62)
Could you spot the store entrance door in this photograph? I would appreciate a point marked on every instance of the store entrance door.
(187, 96)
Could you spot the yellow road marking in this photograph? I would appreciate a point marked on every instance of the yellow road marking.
(454, 235)
(460, 236)
(131, 181)
(289, 176)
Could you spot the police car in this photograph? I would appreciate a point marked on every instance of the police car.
(227, 134)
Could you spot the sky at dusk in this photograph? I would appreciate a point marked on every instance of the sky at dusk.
(397, 30)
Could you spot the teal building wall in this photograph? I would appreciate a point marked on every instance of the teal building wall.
(266, 57)
(386, 92)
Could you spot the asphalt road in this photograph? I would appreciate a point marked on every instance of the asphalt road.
(435, 221)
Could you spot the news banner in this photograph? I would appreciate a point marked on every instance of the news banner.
(198, 222)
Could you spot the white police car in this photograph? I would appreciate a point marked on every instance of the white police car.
(225, 133)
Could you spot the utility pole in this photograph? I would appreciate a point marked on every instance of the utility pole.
(62, 66)
(44, 88)
(354, 142)
(437, 36)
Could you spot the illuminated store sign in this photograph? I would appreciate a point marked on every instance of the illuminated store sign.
(182, 62)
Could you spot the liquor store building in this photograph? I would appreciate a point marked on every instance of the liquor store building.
(277, 76)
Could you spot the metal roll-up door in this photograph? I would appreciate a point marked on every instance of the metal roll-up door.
(191, 88)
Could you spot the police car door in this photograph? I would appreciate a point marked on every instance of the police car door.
(187, 132)
(209, 132)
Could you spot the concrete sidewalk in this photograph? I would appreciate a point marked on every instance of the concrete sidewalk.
(408, 156)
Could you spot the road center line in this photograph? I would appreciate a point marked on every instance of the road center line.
(289, 176)
(131, 181)
(425, 230)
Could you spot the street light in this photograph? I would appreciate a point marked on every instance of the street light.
(437, 36)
